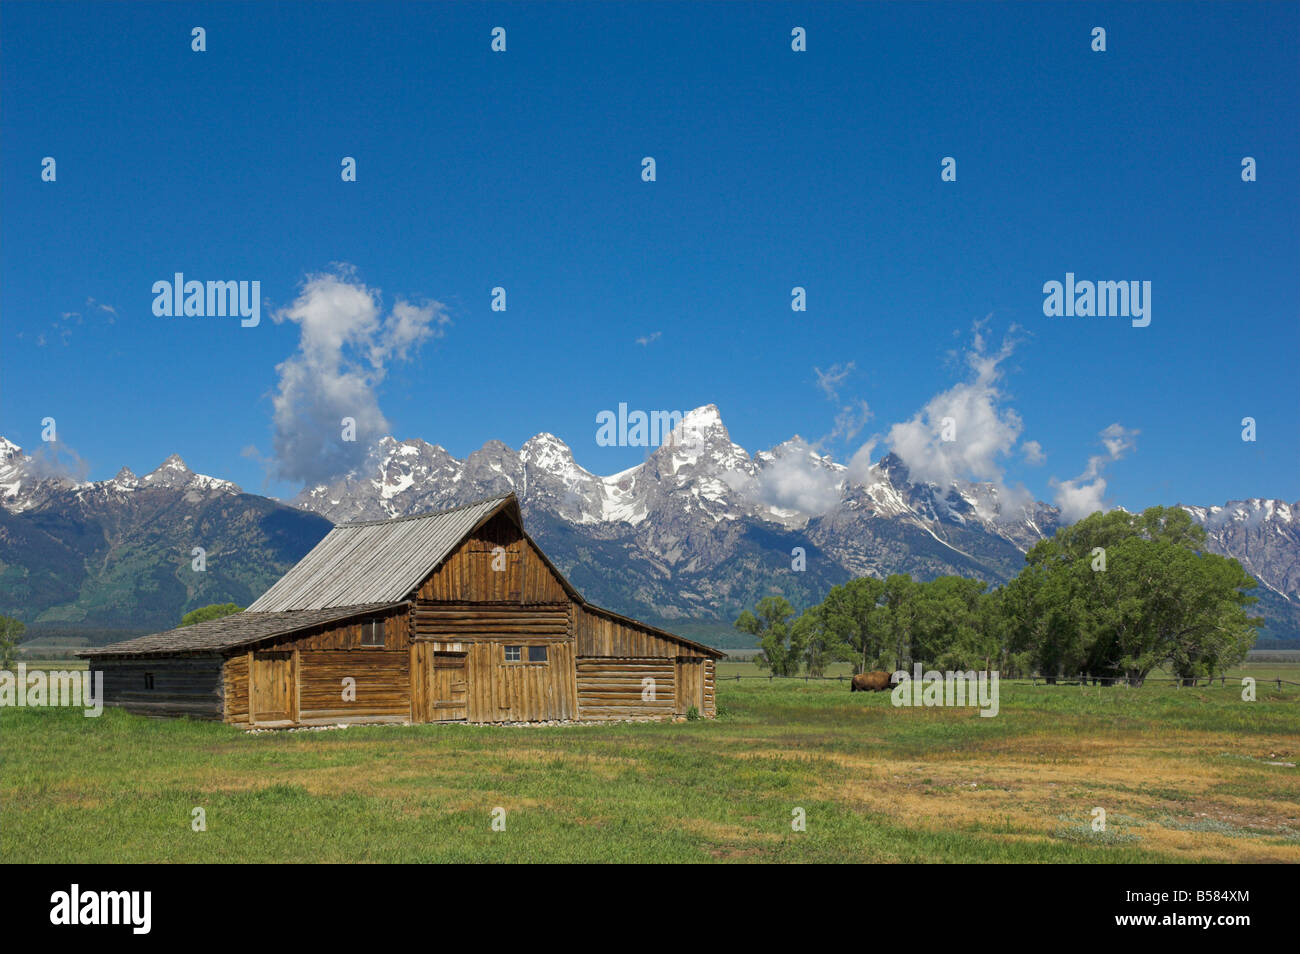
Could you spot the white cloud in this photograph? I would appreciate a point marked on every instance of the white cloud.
(647, 339)
(796, 480)
(984, 431)
(1086, 494)
(1117, 441)
(345, 346)
(1033, 452)
(55, 460)
(852, 415)
(801, 478)
(849, 421)
(831, 379)
(860, 462)
(91, 303)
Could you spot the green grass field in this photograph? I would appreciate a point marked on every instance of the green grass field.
(1268, 666)
(1183, 775)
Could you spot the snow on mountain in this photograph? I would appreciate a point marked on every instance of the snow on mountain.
(700, 527)
(693, 500)
(1263, 535)
(12, 464)
(26, 485)
(697, 474)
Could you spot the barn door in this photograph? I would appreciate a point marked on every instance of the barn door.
(272, 694)
(449, 688)
(690, 685)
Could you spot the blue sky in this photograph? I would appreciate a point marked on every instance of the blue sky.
(774, 169)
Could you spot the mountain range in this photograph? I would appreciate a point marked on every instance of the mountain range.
(696, 532)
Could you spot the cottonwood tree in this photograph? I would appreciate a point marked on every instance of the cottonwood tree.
(946, 625)
(899, 600)
(770, 625)
(1159, 599)
(814, 643)
(856, 622)
(1159, 603)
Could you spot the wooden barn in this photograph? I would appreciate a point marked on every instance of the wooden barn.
(449, 616)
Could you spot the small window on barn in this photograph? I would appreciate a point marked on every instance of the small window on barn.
(537, 654)
(148, 680)
(372, 632)
(514, 653)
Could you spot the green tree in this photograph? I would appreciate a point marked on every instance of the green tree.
(11, 633)
(814, 643)
(1042, 612)
(856, 622)
(1166, 524)
(899, 596)
(1160, 603)
(1119, 594)
(995, 635)
(946, 625)
(770, 625)
(212, 611)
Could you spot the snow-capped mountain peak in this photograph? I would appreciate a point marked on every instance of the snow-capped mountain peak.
(175, 474)
(27, 483)
(699, 527)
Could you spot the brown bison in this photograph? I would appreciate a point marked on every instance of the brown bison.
(871, 682)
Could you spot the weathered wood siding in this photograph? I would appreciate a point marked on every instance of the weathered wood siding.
(468, 574)
(346, 636)
(382, 691)
(497, 691)
(524, 691)
(322, 658)
(690, 685)
(182, 685)
(468, 621)
(501, 691)
(273, 688)
(235, 677)
(604, 635)
(616, 688)
(420, 669)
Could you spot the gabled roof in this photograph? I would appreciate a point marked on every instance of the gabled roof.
(218, 635)
(381, 561)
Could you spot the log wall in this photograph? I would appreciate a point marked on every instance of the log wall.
(182, 685)
(710, 688)
(323, 657)
(469, 621)
(347, 635)
(610, 688)
(382, 691)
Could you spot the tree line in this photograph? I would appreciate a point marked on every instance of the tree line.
(1114, 596)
